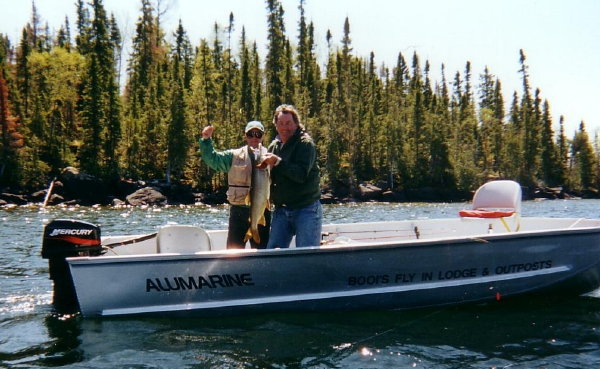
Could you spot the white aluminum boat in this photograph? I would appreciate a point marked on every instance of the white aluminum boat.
(484, 254)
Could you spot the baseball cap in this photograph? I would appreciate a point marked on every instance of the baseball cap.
(254, 124)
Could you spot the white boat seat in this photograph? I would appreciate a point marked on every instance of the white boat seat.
(182, 239)
(496, 199)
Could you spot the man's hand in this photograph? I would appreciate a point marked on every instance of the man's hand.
(269, 159)
(207, 132)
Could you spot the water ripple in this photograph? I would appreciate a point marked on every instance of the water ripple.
(511, 334)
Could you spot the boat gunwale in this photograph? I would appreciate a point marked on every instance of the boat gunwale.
(483, 238)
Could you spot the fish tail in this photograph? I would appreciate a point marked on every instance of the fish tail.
(248, 235)
(252, 234)
(256, 236)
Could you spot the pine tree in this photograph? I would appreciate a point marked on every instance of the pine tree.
(83, 28)
(256, 78)
(583, 153)
(63, 38)
(530, 128)
(246, 102)
(512, 154)
(100, 103)
(177, 136)
(23, 76)
(563, 154)
(148, 104)
(550, 172)
(275, 66)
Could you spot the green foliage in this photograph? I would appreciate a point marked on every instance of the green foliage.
(99, 103)
(583, 158)
(56, 75)
(370, 122)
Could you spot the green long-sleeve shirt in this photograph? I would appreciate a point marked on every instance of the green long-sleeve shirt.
(217, 160)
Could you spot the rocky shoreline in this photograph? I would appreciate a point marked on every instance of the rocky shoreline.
(73, 187)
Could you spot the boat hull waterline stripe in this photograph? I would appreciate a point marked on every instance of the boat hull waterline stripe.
(328, 295)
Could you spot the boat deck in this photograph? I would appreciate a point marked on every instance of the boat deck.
(344, 235)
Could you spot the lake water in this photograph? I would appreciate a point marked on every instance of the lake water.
(508, 334)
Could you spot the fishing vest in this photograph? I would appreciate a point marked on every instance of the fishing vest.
(239, 176)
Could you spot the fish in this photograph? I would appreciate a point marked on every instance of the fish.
(258, 198)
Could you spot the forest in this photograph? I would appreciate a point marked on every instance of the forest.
(62, 104)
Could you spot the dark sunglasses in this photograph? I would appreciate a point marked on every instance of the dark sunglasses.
(257, 134)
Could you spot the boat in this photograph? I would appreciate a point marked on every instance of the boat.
(486, 253)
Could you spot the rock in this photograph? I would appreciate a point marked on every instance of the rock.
(38, 196)
(13, 199)
(116, 202)
(328, 198)
(55, 199)
(84, 187)
(146, 196)
(369, 192)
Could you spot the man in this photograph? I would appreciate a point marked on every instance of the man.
(238, 164)
(295, 188)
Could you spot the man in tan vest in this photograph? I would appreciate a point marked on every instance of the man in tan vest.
(238, 164)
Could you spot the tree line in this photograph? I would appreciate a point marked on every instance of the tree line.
(62, 105)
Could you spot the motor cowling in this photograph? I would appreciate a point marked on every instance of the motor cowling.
(65, 238)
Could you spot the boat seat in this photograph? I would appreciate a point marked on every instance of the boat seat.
(182, 239)
(496, 199)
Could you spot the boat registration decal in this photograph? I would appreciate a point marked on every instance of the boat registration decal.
(401, 278)
(165, 284)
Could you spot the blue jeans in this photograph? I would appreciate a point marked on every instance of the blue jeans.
(305, 223)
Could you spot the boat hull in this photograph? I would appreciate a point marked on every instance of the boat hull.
(393, 275)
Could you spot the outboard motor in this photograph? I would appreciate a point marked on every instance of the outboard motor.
(65, 238)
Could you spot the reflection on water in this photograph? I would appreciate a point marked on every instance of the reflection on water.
(491, 335)
(529, 333)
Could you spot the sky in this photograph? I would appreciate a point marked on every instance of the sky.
(560, 38)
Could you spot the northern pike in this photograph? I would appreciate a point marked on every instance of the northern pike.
(258, 198)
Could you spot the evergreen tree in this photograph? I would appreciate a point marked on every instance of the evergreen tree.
(23, 76)
(256, 78)
(246, 101)
(63, 38)
(275, 67)
(563, 154)
(177, 136)
(530, 128)
(583, 154)
(148, 104)
(100, 103)
(83, 27)
(551, 173)
(512, 155)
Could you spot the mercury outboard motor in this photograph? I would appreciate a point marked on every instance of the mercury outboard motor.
(65, 238)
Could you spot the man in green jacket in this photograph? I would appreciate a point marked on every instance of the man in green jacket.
(295, 189)
(238, 163)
